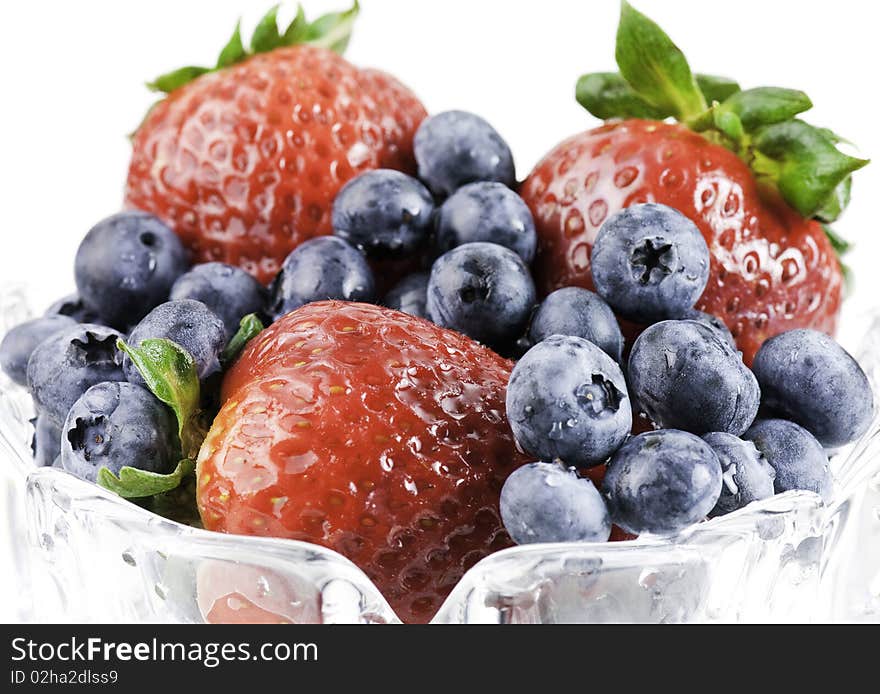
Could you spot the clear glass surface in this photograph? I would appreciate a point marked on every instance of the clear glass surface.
(75, 552)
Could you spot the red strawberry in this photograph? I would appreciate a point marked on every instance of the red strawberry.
(373, 433)
(244, 162)
(772, 270)
(754, 179)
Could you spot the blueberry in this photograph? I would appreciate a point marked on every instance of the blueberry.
(67, 364)
(807, 377)
(650, 263)
(567, 400)
(188, 323)
(545, 502)
(793, 452)
(455, 148)
(746, 475)
(384, 213)
(125, 266)
(116, 425)
(46, 443)
(713, 322)
(578, 312)
(489, 212)
(661, 482)
(517, 349)
(410, 295)
(73, 307)
(322, 268)
(684, 375)
(482, 290)
(228, 291)
(21, 341)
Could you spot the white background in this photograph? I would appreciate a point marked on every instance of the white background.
(74, 73)
(73, 76)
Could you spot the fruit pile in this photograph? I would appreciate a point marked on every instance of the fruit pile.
(646, 316)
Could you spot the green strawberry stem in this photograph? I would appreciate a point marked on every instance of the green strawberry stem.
(134, 483)
(332, 30)
(170, 373)
(249, 327)
(800, 161)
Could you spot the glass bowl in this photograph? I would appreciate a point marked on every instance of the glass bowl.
(75, 552)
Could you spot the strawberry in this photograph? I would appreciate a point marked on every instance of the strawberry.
(757, 182)
(243, 160)
(369, 431)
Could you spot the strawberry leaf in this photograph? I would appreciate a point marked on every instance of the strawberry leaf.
(766, 106)
(655, 67)
(175, 79)
(607, 95)
(759, 125)
(333, 30)
(802, 162)
(249, 327)
(834, 138)
(716, 88)
(233, 52)
(133, 483)
(840, 244)
(728, 123)
(266, 36)
(170, 373)
(297, 30)
(835, 203)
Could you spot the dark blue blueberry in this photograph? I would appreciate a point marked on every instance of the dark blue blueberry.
(116, 425)
(482, 290)
(189, 324)
(46, 443)
(410, 295)
(793, 452)
(745, 473)
(517, 349)
(546, 502)
(321, 268)
(807, 377)
(489, 212)
(578, 312)
(228, 291)
(73, 307)
(713, 322)
(650, 263)
(684, 375)
(455, 148)
(125, 266)
(661, 482)
(567, 400)
(384, 213)
(20, 342)
(69, 363)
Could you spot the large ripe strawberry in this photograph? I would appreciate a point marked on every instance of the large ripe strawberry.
(755, 180)
(243, 160)
(371, 432)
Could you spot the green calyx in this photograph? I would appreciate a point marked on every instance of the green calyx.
(248, 328)
(170, 373)
(760, 125)
(332, 30)
(133, 483)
